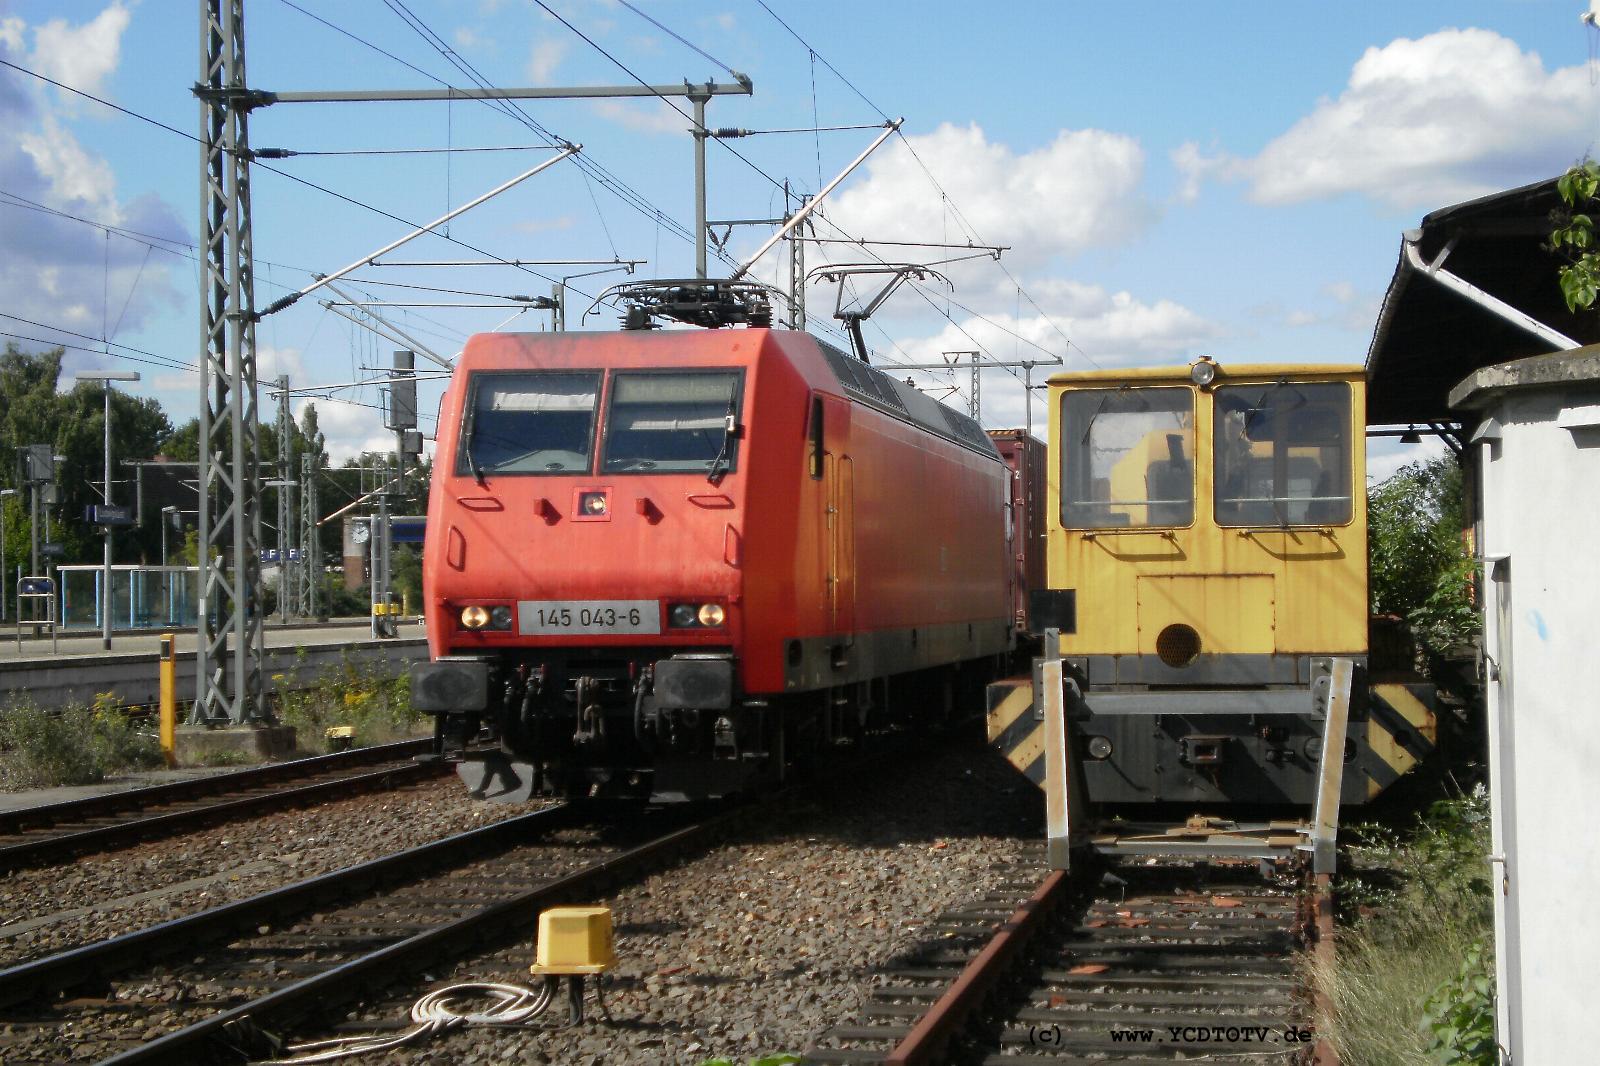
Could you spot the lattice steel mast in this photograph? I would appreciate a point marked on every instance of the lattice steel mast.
(310, 569)
(288, 585)
(230, 649)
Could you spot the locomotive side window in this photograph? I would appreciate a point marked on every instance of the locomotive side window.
(1127, 457)
(529, 423)
(1283, 454)
(815, 439)
(672, 423)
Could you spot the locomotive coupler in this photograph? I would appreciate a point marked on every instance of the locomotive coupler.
(591, 722)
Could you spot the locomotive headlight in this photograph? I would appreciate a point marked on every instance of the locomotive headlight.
(592, 503)
(682, 615)
(500, 617)
(474, 617)
(711, 614)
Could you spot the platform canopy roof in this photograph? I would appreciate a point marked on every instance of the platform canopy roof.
(1430, 334)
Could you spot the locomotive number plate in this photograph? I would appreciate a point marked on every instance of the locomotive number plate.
(567, 617)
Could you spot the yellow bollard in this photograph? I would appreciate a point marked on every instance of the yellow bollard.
(169, 698)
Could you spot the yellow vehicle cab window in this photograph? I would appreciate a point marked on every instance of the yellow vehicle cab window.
(1127, 457)
(1282, 453)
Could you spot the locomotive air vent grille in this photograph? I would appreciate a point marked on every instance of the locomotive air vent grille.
(962, 426)
(859, 378)
(1178, 645)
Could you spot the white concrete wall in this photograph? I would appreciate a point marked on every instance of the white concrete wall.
(1541, 537)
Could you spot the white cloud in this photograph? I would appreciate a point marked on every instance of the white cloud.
(80, 56)
(533, 226)
(1341, 291)
(1079, 191)
(643, 116)
(54, 270)
(271, 362)
(349, 429)
(545, 57)
(1111, 328)
(74, 176)
(1442, 118)
(467, 37)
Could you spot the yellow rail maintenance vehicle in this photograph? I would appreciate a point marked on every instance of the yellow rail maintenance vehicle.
(1207, 557)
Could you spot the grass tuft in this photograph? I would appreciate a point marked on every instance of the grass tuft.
(1413, 950)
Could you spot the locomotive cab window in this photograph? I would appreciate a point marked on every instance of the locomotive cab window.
(672, 423)
(1127, 458)
(1283, 454)
(529, 423)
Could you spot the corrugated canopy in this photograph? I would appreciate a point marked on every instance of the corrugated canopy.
(1429, 337)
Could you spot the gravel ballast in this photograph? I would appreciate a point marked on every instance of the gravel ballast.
(761, 943)
(95, 897)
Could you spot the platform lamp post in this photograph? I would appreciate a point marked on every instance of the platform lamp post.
(3, 597)
(106, 377)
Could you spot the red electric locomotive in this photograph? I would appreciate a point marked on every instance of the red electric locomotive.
(664, 563)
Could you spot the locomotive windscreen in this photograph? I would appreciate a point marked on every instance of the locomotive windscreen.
(671, 422)
(529, 423)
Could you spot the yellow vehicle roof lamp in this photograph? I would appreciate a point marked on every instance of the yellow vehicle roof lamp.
(1203, 371)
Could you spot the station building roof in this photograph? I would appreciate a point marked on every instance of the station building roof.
(1429, 337)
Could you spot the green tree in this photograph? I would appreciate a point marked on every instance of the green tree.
(1419, 567)
(1574, 235)
(72, 423)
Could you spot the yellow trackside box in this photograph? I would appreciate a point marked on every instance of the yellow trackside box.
(574, 940)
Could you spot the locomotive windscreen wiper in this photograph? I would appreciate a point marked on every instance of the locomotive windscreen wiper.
(466, 448)
(730, 430)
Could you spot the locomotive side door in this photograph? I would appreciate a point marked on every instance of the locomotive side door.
(842, 545)
(838, 500)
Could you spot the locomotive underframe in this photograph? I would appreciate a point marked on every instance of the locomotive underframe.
(667, 725)
(1239, 729)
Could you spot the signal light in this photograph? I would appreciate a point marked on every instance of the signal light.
(500, 617)
(711, 614)
(474, 617)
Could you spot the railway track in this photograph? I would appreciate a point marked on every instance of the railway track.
(35, 835)
(208, 987)
(1157, 960)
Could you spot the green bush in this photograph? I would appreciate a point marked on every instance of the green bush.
(1459, 1015)
(1419, 566)
(377, 707)
(76, 745)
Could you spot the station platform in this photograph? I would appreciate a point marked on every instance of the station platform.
(39, 797)
(78, 643)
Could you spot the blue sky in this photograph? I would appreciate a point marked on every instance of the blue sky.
(1228, 179)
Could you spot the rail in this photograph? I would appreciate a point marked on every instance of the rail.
(31, 835)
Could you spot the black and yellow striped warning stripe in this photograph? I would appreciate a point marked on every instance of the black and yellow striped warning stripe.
(1014, 729)
(1402, 730)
